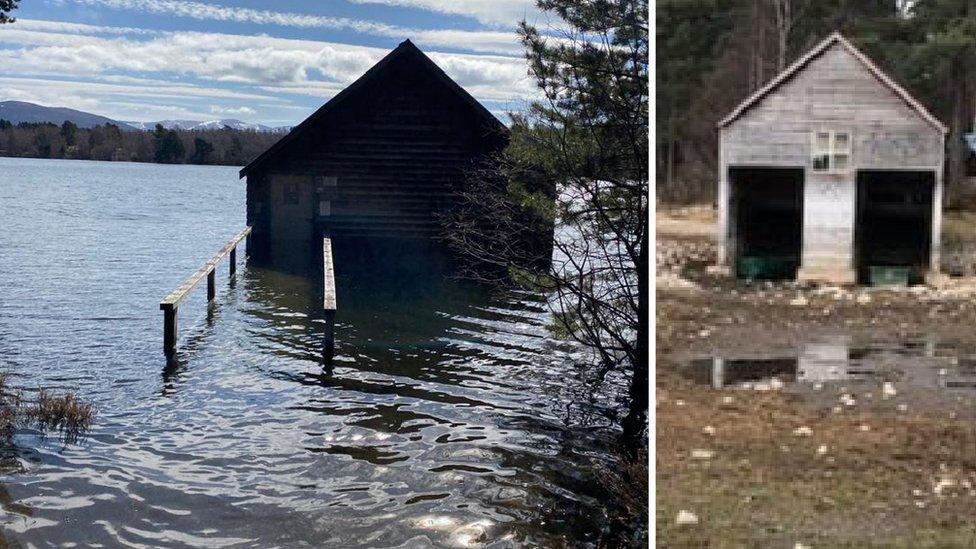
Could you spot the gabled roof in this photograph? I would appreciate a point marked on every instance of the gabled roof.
(406, 48)
(802, 62)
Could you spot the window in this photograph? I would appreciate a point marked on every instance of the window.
(831, 151)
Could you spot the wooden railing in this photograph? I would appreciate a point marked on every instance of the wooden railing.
(171, 303)
(328, 300)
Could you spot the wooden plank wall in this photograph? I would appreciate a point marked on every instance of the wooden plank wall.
(399, 153)
(835, 92)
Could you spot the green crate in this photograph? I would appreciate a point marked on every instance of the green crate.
(765, 267)
(889, 276)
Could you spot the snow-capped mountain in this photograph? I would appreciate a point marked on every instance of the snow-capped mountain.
(207, 125)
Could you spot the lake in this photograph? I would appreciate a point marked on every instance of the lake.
(450, 418)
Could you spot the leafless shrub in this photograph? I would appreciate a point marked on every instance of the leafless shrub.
(627, 484)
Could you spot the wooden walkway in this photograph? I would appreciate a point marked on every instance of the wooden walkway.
(171, 303)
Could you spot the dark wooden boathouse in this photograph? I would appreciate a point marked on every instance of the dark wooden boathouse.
(380, 161)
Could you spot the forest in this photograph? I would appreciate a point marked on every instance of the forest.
(712, 54)
(225, 146)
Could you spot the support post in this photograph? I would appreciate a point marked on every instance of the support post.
(233, 261)
(211, 285)
(247, 245)
(328, 341)
(169, 332)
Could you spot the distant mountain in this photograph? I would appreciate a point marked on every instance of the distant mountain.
(207, 125)
(21, 111)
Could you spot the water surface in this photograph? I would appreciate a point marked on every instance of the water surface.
(451, 417)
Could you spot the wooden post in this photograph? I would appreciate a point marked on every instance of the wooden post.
(169, 332)
(211, 285)
(233, 261)
(247, 245)
(328, 342)
(328, 301)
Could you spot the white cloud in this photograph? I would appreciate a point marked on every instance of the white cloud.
(256, 60)
(217, 109)
(476, 41)
(490, 12)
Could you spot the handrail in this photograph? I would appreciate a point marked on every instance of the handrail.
(173, 299)
(170, 304)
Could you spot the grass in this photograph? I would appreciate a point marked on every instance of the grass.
(65, 414)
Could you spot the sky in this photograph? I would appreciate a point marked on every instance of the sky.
(267, 62)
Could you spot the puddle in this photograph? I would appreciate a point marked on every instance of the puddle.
(920, 372)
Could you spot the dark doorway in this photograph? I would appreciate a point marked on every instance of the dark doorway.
(767, 228)
(894, 222)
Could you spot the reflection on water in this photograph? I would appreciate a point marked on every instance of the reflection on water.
(925, 369)
(450, 416)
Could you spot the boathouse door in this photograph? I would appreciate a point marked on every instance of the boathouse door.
(291, 217)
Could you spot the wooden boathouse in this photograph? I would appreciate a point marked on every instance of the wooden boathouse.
(373, 168)
(381, 160)
(832, 173)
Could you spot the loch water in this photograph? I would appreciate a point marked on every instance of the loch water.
(451, 417)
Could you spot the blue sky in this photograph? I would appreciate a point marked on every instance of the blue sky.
(267, 62)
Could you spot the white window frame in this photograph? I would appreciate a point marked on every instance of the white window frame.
(832, 151)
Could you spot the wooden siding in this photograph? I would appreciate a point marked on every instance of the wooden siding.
(834, 91)
(399, 152)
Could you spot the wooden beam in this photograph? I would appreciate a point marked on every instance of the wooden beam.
(170, 304)
(328, 276)
(232, 266)
(173, 299)
(328, 301)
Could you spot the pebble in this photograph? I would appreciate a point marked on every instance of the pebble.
(686, 517)
(864, 428)
(863, 299)
(902, 407)
(822, 449)
(802, 431)
(679, 402)
(799, 301)
(727, 400)
(888, 390)
(702, 454)
(847, 400)
(709, 430)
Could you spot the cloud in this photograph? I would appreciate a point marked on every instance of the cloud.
(476, 41)
(251, 60)
(114, 70)
(489, 12)
(217, 109)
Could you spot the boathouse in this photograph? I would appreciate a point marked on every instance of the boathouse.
(380, 161)
(832, 173)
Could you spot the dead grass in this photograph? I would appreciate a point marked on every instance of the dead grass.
(905, 482)
(65, 414)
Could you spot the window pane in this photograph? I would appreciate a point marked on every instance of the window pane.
(840, 161)
(821, 162)
(842, 142)
(823, 142)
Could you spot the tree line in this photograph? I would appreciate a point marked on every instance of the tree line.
(225, 146)
(712, 54)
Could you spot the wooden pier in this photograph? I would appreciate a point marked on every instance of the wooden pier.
(170, 304)
(328, 301)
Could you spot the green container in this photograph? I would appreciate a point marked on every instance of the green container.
(765, 268)
(889, 276)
